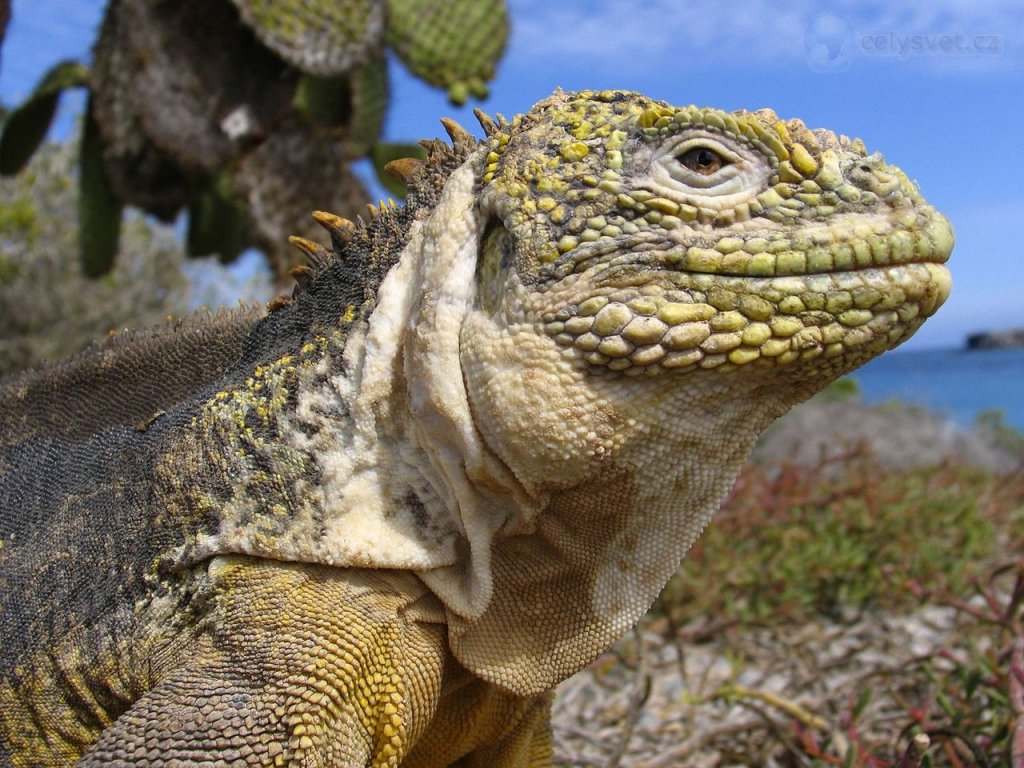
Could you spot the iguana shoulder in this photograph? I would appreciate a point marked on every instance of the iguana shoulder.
(463, 458)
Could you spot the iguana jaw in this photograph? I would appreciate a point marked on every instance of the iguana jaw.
(684, 321)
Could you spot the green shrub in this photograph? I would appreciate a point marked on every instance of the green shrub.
(798, 541)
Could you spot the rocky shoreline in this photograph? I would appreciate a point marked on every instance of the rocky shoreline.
(1013, 337)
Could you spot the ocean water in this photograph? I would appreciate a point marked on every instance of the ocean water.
(958, 383)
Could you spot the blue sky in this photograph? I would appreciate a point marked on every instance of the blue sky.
(937, 86)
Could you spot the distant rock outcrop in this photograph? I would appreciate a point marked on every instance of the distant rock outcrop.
(1013, 337)
(898, 435)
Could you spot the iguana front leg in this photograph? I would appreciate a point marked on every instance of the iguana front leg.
(312, 666)
(478, 725)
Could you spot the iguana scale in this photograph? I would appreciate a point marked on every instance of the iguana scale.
(461, 461)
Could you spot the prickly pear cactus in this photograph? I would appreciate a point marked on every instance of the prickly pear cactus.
(248, 112)
(321, 37)
(454, 44)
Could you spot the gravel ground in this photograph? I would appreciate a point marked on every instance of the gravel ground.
(674, 702)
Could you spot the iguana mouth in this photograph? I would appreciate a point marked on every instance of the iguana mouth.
(845, 246)
(679, 310)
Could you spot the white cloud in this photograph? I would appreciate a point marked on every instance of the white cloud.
(621, 36)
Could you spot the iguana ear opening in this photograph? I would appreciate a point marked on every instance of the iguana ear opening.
(496, 254)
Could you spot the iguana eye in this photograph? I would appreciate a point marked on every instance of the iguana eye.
(703, 160)
(705, 169)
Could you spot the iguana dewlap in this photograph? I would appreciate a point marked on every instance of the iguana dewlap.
(384, 520)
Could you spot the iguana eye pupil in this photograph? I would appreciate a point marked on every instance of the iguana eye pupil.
(702, 160)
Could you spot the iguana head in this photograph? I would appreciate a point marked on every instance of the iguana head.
(635, 247)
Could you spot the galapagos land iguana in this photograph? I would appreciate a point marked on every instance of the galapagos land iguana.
(379, 524)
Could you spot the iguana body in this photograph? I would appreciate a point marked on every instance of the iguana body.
(463, 460)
